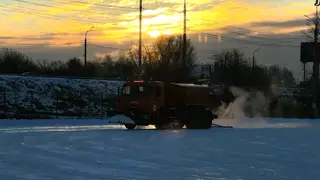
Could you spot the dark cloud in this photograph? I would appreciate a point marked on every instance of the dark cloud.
(57, 34)
(32, 44)
(43, 37)
(40, 38)
(233, 32)
(283, 24)
(52, 53)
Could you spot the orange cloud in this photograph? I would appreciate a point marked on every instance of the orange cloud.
(120, 24)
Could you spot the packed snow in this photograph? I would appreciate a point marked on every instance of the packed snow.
(277, 149)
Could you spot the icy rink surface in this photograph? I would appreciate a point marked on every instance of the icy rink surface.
(285, 149)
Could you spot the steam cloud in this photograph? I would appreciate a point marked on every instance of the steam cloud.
(247, 109)
(250, 109)
(245, 104)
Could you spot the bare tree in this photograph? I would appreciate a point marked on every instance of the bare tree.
(231, 67)
(313, 30)
(12, 61)
(164, 59)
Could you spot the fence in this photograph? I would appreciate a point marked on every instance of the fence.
(15, 104)
(52, 102)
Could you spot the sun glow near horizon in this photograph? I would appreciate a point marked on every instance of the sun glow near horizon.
(157, 33)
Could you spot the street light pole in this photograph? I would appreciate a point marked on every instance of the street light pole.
(253, 57)
(85, 46)
(254, 64)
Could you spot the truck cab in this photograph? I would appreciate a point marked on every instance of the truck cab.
(140, 100)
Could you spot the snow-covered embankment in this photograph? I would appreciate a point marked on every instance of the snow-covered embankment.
(23, 96)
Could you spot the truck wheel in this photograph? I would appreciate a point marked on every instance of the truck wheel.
(160, 126)
(199, 121)
(196, 125)
(177, 124)
(130, 126)
(190, 126)
(207, 124)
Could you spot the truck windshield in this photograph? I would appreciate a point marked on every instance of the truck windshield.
(137, 89)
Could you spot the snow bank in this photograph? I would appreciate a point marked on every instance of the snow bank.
(22, 95)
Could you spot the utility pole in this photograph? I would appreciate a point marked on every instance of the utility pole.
(85, 46)
(316, 62)
(226, 72)
(140, 41)
(184, 35)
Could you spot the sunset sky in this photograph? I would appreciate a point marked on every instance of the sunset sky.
(54, 29)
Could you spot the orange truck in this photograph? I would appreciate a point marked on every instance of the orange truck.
(166, 105)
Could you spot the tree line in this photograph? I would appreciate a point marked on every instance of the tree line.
(161, 61)
(231, 67)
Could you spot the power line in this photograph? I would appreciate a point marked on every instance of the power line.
(52, 6)
(56, 18)
(96, 4)
(26, 11)
(48, 16)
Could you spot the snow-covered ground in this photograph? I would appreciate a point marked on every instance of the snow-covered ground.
(256, 149)
(55, 95)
